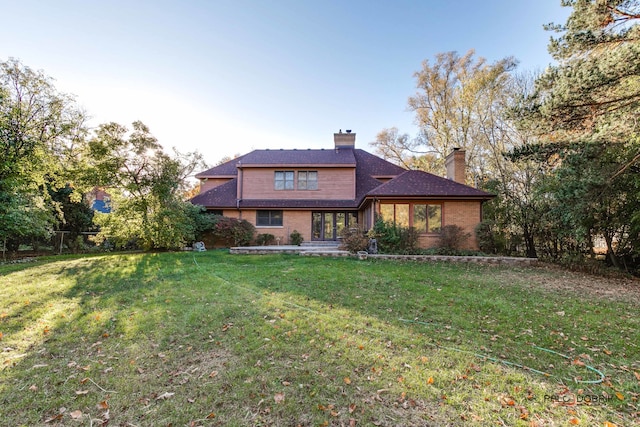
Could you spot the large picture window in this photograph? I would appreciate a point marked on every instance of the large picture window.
(307, 180)
(283, 180)
(425, 218)
(269, 218)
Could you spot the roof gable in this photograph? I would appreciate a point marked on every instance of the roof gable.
(221, 196)
(224, 169)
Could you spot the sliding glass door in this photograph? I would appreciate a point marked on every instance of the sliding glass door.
(329, 225)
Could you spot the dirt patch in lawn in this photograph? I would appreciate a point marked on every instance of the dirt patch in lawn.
(558, 280)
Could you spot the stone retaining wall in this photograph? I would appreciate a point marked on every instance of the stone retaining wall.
(444, 258)
(256, 250)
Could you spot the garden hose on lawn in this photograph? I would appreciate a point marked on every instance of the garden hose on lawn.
(481, 356)
(517, 365)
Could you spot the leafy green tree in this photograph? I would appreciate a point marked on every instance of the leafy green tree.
(40, 132)
(147, 187)
(73, 216)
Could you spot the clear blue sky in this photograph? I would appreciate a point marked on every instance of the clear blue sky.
(227, 77)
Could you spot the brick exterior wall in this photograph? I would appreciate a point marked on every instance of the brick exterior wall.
(466, 214)
(292, 220)
(333, 184)
(208, 184)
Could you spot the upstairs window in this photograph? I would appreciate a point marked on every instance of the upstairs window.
(284, 180)
(308, 180)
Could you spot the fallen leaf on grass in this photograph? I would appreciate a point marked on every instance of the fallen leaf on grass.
(574, 421)
(103, 405)
(430, 380)
(619, 395)
(278, 397)
(608, 424)
(506, 401)
(637, 374)
(76, 415)
(164, 396)
(347, 380)
(54, 418)
(211, 416)
(213, 374)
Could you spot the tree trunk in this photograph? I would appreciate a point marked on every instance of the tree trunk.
(610, 252)
(529, 242)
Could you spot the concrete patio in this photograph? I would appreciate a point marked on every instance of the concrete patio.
(307, 248)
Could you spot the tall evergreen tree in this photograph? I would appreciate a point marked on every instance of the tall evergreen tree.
(585, 112)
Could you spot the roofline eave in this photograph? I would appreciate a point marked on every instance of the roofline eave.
(199, 176)
(428, 197)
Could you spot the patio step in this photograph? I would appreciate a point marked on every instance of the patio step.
(321, 243)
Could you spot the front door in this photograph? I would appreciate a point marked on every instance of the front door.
(329, 225)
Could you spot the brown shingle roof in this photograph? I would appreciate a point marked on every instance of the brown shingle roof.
(222, 196)
(225, 169)
(415, 183)
(298, 158)
(342, 157)
(368, 167)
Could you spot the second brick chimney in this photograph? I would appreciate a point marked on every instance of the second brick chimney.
(456, 165)
(344, 140)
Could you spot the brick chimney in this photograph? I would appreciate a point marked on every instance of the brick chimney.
(344, 140)
(455, 164)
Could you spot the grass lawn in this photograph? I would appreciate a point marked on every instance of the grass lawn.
(202, 339)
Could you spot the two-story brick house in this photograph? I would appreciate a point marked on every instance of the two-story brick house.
(320, 192)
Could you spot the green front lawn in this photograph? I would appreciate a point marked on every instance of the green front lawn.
(198, 339)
